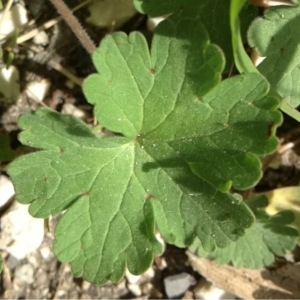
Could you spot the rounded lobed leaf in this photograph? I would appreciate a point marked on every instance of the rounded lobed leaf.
(275, 36)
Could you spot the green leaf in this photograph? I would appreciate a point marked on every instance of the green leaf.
(269, 236)
(186, 139)
(222, 122)
(276, 37)
(214, 14)
(108, 222)
(241, 58)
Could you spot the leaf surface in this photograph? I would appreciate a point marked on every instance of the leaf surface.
(186, 139)
(276, 36)
(214, 14)
(269, 236)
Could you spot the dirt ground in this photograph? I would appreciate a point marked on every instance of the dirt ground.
(59, 61)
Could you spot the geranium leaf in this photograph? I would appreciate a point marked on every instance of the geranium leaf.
(275, 36)
(269, 236)
(186, 139)
(214, 14)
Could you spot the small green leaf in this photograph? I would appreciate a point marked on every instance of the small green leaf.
(269, 236)
(276, 37)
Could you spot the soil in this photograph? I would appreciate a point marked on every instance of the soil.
(39, 275)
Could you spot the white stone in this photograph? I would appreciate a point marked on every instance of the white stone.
(15, 18)
(60, 293)
(149, 273)
(32, 259)
(177, 285)
(45, 252)
(21, 233)
(132, 278)
(41, 38)
(134, 289)
(25, 273)
(207, 291)
(70, 109)
(38, 89)
(6, 189)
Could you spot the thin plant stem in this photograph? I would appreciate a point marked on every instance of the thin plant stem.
(29, 35)
(59, 68)
(74, 25)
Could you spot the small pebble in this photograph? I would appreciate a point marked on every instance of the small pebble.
(21, 238)
(25, 273)
(134, 289)
(86, 285)
(45, 252)
(207, 291)
(176, 285)
(70, 109)
(15, 18)
(11, 262)
(41, 38)
(60, 293)
(132, 278)
(146, 288)
(122, 287)
(6, 189)
(33, 260)
(38, 90)
(149, 274)
(41, 278)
